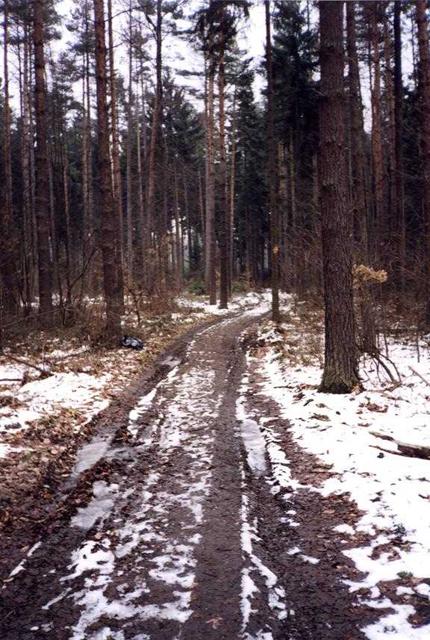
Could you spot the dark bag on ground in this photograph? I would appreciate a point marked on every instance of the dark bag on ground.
(132, 343)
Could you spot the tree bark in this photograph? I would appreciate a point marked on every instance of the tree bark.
(424, 85)
(104, 179)
(223, 199)
(358, 181)
(9, 302)
(399, 223)
(340, 367)
(377, 153)
(210, 241)
(272, 170)
(156, 143)
(116, 170)
(42, 170)
(130, 100)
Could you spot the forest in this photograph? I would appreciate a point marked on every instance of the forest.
(214, 319)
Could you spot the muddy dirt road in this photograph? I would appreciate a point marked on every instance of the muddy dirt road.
(186, 533)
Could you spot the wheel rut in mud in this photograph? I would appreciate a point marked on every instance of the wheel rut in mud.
(185, 534)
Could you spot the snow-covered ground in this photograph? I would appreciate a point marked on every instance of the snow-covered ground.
(260, 301)
(356, 436)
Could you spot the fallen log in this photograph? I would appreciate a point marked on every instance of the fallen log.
(403, 448)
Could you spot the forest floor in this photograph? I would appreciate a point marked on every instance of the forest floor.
(219, 495)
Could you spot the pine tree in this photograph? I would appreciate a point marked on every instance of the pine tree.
(340, 366)
(424, 79)
(104, 179)
(42, 169)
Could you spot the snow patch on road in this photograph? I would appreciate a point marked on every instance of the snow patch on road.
(99, 507)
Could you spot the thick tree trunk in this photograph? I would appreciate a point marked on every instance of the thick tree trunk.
(104, 180)
(42, 170)
(340, 367)
(424, 79)
(272, 170)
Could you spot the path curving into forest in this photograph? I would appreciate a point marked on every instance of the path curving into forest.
(186, 534)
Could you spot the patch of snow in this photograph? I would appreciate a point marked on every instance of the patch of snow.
(345, 528)
(309, 559)
(99, 507)
(423, 589)
(21, 566)
(395, 625)
(90, 454)
(402, 591)
(6, 449)
(253, 440)
(39, 398)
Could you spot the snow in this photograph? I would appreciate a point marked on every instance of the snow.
(39, 398)
(391, 490)
(252, 301)
(21, 566)
(253, 566)
(99, 507)
(6, 449)
(88, 455)
(252, 438)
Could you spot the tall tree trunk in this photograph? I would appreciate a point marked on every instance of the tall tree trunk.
(116, 169)
(389, 151)
(42, 170)
(358, 158)
(104, 179)
(424, 78)
(272, 170)
(377, 153)
(130, 100)
(232, 195)
(340, 367)
(224, 216)
(140, 223)
(399, 224)
(156, 142)
(9, 300)
(358, 182)
(87, 173)
(210, 240)
(27, 249)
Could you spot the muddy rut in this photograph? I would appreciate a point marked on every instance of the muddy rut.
(184, 533)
